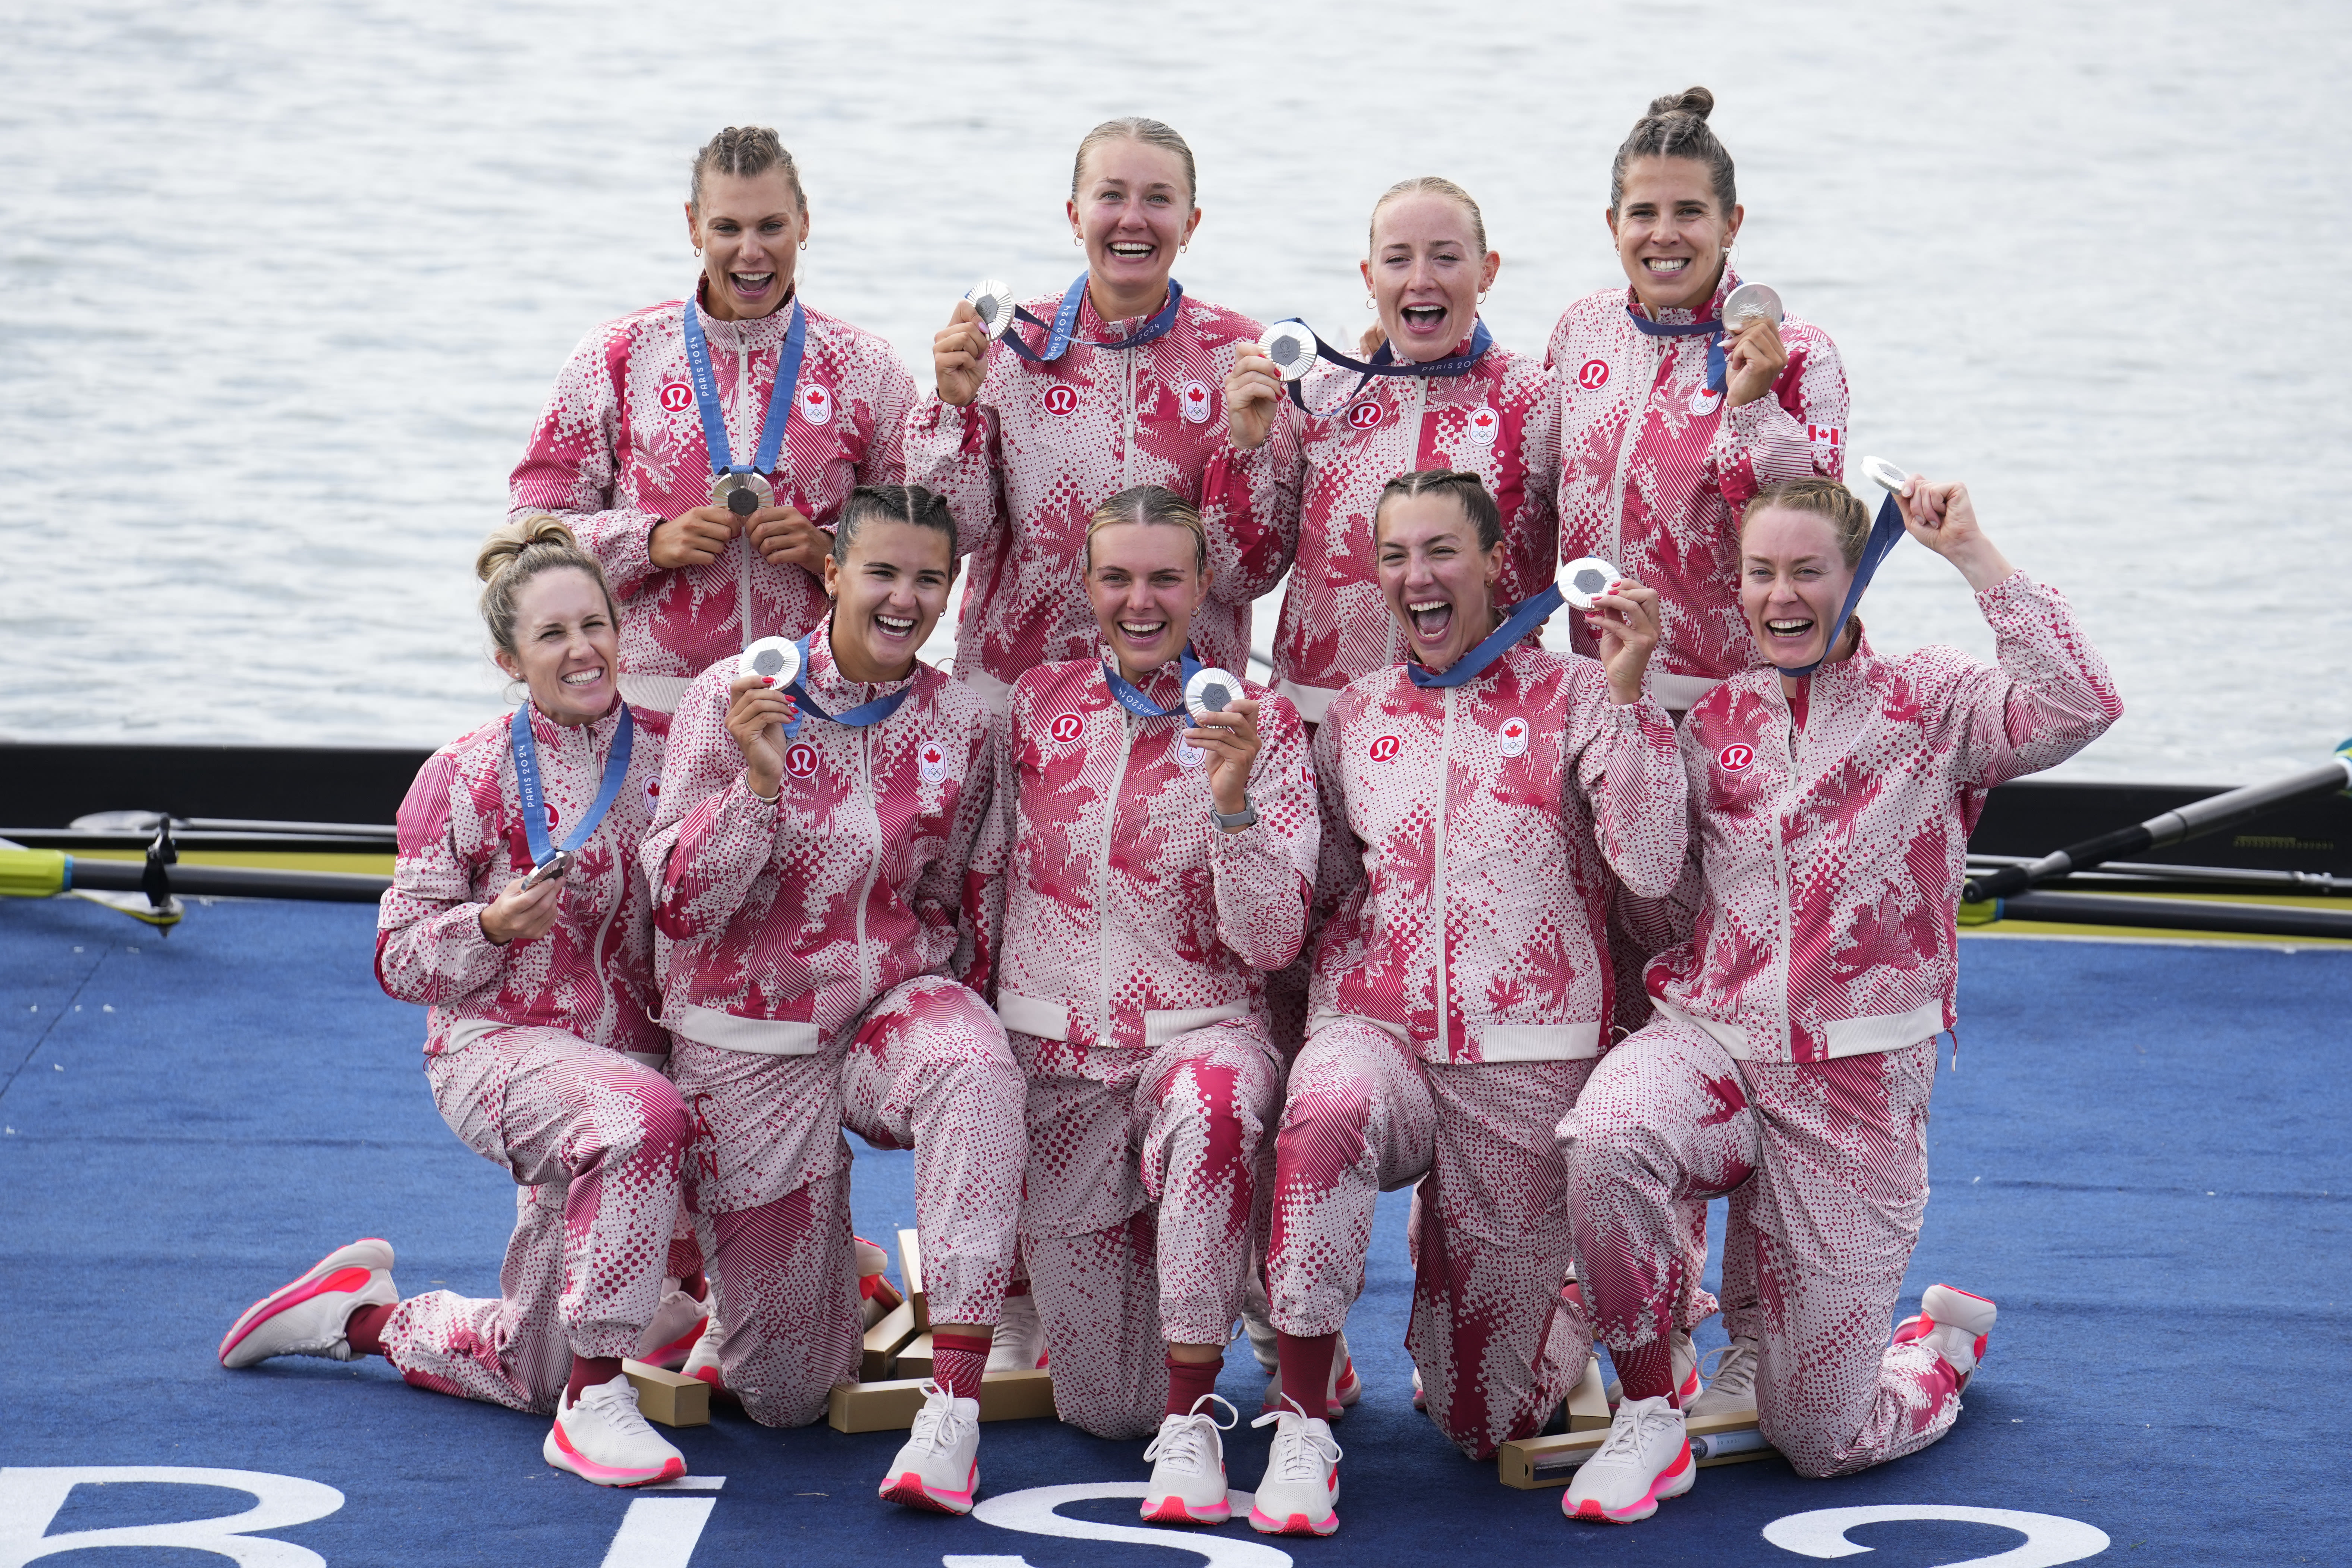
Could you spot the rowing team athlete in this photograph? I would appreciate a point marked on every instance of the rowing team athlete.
(1164, 975)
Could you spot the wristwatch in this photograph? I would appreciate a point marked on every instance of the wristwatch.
(1246, 817)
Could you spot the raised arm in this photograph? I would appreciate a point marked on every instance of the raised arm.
(1250, 484)
(1264, 873)
(714, 832)
(954, 443)
(1793, 420)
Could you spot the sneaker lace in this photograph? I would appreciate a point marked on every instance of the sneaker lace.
(615, 1405)
(1298, 1454)
(1628, 1439)
(1184, 1443)
(1735, 1367)
(937, 1428)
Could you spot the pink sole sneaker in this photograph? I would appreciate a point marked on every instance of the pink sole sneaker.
(567, 1457)
(347, 1269)
(909, 1491)
(1673, 1482)
(1171, 1510)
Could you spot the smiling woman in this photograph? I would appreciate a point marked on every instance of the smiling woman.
(701, 450)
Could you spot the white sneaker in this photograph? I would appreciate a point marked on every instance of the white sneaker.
(1685, 1365)
(1956, 1323)
(1732, 1390)
(600, 1437)
(938, 1468)
(307, 1316)
(1346, 1389)
(1188, 1470)
(702, 1361)
(676, 1329)
(1018, 1341)
(1646, 1457)
(1302, 1476)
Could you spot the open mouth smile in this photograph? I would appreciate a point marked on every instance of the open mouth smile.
(1431, 619)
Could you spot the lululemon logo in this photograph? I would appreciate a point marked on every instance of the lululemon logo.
(1365, 414)
(1592, 375)
(800, 759)
(816, 403)
(1062, 398)
(677, 397)
(1735, 758)
(1385, 749)
(1067, 727)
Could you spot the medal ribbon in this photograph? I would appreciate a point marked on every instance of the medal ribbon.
(1136, 703)
(1065, 321)
(1385, 362)
(1531, 614)
(1885, 532)
(856, 717)
(535, 799)
(780, 395)
(1716, 374)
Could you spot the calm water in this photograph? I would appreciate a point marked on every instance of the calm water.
(282, 288)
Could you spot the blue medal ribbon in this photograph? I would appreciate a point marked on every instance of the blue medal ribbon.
(1716, 375)
(1136, 703)
(535, 799)
(780, 395)
(1885, 531)
(1530, 614)
(1065, 321)
(856, 717)
(1385, 362)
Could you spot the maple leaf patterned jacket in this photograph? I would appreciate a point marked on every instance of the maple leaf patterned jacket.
(1470, 839)
(462, 840)
(1130, 917)
(1042, 446)
(1500, 420)
(1834, 852)
(620, 447)
(1654, 470)
(778, 923)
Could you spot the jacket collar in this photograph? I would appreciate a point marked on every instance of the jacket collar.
(828, 685)
(744, 337)
(1713, 309)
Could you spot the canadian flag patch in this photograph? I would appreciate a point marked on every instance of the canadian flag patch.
(1826, 438)
(1484, 426)
(1511, 740)
(1192, 400)
(816, 402)
(932, 759)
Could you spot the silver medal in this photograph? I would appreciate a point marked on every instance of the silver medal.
(1885, 475)
(1586, 580)
(742, 494)
(776, 660)
(1291, 347)
(1747, 302)
(1210, 690)
(994, 301)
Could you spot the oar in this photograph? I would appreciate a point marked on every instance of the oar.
(39, 873)
(2173, 914)
(2194, 820)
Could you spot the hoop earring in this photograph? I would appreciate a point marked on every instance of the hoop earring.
(804, 244)
(1370, 303)
(1079, 240)
(1482, 296)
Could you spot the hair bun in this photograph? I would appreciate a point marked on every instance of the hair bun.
(510, 538)
(1695, 101)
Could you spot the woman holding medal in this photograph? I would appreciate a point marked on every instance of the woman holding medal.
(1794, 1046)
(1438, 393)
(518, 914)
(1141, 918)
(809, 866)
(1112, 385)
(1476, 803)
(702, 449)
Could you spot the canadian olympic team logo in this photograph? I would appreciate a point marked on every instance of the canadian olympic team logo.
(1592, 375)
(1511, 740)
(816, 402)
(1483, 426)
(800, 759)
(1365, 414)
(932, 758)
(1062, 398)
(1385, 749)
(677, 397)
(1735, 758)
(1067, 727)
(1193, 402)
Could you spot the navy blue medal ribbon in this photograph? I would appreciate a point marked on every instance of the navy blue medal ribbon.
(1530, 614)
(1136, 703)
(1713, 331)
(856, 717)
(779, 396)
(1385, 362)
(535, 799)
(1885, 531)
(1059, 331)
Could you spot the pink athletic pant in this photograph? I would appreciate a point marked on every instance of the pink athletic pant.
(1497, 1342)
(1137, 1230)
(928, 1067)
(593, 1140)
(1834, 1155)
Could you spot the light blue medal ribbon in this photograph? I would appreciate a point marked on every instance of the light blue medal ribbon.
(1136, 703)
(856, 717)
(1059, 331)
(1530, 614)
(535, 799)
(1385, 362)
(1885, 531)
(779, 396)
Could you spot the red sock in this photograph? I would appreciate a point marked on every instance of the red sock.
(1188, 1382)
(1018, 1288)
(958, 1361)
(1647, 1373)
(1306, 1370)
(364, 1329)
(588, 1371)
